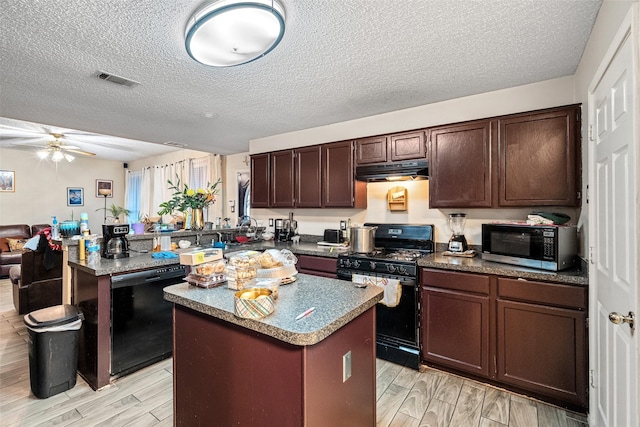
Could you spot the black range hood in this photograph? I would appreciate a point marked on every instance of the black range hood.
(396, 171)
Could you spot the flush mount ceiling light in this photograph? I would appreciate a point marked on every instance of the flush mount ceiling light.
(225, 33)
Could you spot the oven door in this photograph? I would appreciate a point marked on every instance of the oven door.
(397, 328)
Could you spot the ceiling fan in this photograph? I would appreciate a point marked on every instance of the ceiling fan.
(57, 150)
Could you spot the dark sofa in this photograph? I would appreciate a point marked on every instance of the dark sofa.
(9, 259)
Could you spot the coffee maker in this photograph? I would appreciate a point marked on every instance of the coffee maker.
(457, 242)
(114, 242)
(286, 229)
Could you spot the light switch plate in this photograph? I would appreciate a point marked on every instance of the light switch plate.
(270, 222)
(346, 366)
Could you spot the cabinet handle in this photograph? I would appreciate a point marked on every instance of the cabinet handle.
(618, 318)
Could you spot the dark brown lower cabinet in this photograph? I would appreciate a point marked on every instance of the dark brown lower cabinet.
(455, 320)
(541, 338)
(318, 266)
(527, 336)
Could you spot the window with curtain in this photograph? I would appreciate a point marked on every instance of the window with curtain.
(133, 195)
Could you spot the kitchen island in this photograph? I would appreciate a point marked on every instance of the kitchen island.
(315, 371)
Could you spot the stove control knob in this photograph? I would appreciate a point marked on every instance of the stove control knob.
(347, 263)
(402, 270)
(372, 264)
(356, 263)
(391, 268)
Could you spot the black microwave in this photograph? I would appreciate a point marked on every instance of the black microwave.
(547, 247)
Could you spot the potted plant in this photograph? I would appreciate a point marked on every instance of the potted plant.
(138, 226)
(116, 211)
(184, 198)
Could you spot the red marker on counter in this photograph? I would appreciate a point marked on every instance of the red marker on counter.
(306, 313)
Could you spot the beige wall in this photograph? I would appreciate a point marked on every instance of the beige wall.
(545, 94)
(41, 188)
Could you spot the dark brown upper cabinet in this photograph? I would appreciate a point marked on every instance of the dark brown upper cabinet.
(527, 159)
(407, 146)
(460, 165)
(282, 179)
(340, 189)
(391, 148)
(308, 177)
(371, 150)
(538, 158)
(260, 180)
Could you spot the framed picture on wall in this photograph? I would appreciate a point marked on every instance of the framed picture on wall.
(104, 188)
(75, 196)
(7, 181)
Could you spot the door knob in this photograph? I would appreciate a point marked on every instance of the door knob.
(618, 318)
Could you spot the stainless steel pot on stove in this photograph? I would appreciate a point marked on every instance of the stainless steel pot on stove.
(362, 239)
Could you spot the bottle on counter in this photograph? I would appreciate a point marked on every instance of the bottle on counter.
(93, 249)
(55, 228)
(84, 223)
(82, 249)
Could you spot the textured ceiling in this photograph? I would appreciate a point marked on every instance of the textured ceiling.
(339, 60)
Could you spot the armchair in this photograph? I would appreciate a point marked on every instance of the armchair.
(35, 287)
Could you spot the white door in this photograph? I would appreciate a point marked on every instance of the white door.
(613, 212)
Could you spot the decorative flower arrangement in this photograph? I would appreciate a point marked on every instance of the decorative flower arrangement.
(184, 197)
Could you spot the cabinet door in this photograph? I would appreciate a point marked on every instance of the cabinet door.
(407, 146)
(455, 320)
(538, 155)
(260, 181)
(318, 266)
(308, 177)
(543, 349)
(282, 182)
(460, 165)
(371, 150)
(340, 187)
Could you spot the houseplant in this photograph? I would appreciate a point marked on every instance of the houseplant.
(184, 198)
(116, 211)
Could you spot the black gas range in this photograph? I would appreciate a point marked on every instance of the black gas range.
(397, 250)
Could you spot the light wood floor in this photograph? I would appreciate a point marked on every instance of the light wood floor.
(405, 397)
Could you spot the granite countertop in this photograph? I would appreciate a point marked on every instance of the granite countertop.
(478, 265)
(141, 261)
(336, 303)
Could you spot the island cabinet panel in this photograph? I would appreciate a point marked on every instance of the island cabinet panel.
(318, 266)
(237, 376)
(282, 179)
(308, 177)
(460, 165)
(371, 150)
(407, 146)
(455, 319)
(340, 188)
(260, 180)
(538, 158)
(541, 344)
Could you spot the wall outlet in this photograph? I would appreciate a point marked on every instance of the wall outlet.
(270, 222)
(343, 225)
(346, 366)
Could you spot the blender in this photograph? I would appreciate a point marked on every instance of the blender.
(457, 242)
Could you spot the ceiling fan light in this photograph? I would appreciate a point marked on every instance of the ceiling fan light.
(69, 157)
(42, 154)
(57, 156)
(226, 33)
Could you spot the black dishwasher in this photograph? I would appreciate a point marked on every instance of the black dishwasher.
(141, 319)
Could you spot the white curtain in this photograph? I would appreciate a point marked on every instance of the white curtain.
(203, 171)
(146, 189)
(132, 195)
(145, 194)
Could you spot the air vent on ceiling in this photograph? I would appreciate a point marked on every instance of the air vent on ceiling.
(116, 79)
(174, 144)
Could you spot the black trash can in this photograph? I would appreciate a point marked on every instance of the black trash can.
(54, 333)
